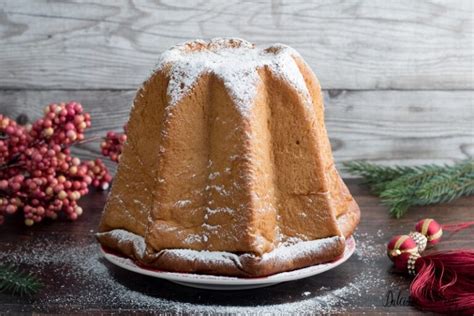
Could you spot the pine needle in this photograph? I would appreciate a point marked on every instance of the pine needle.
(401, 187)
(16, 282)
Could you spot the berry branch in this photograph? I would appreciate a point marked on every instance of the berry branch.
(40, 177)
(38, 174)
(112, 145)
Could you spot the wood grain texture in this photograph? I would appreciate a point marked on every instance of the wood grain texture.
(358, 286)
(382, 126)
(350, 44)
(400, 80)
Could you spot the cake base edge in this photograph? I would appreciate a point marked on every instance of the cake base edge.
(282, 259)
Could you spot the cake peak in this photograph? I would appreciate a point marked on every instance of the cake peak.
(235, 62)
(227, 46)
(213, 45)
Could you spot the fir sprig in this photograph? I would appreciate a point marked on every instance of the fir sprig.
(401, 187)
(17, 282)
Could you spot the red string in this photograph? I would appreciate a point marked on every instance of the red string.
(457, 227)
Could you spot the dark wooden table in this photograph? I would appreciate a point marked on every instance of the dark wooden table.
(77, 279)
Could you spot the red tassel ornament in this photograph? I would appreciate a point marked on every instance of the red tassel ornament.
(443, 281)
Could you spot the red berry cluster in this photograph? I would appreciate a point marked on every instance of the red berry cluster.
(97, 170)
(113, 144)
(13, 139)
(38, 174)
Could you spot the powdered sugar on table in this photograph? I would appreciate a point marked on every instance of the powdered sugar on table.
(80, 279)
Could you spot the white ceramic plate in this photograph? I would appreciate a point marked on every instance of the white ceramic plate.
(213, 282)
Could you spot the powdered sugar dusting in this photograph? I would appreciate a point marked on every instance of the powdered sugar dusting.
(193, 238)
(182, 203)
(211, 257)
(122, 236)
(369, 250)
(301, 249)
(235, 62)
(281, 253)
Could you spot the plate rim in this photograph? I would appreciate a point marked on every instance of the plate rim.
(130, 265)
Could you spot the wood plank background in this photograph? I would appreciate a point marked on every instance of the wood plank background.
(399, 76)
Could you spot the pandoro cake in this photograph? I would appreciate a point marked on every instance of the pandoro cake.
(227, 168)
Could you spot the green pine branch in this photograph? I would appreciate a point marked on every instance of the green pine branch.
(378, 177)
(16, 282)
(401, 187)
